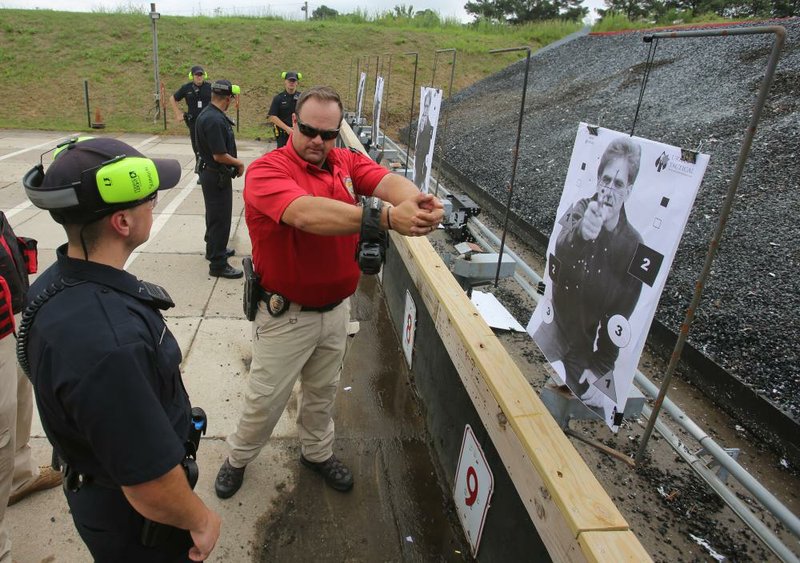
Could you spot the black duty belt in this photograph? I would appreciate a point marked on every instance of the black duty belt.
(277, 304)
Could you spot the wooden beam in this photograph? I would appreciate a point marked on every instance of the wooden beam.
(620, 547)
(563, 498)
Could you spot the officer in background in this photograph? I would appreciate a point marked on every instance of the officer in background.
(197, 94)
(218, 166)
(105, 367)
(282, 107)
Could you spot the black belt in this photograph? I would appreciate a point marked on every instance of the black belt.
(323, 308)
(281, 304)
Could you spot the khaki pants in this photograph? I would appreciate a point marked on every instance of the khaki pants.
(303, 344)
(16, 411)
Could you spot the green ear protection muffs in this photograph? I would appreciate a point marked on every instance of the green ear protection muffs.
(65, 144)
(222, 89)
(285, 72)
(119, 181)
(205, 75)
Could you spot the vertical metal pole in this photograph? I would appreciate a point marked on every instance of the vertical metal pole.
(411, 114)
(377, 62)
(349, 81)
(358, 78)
(153, 18)
(447, 111)
(388, 77)
(516, 152)
(163, 97)
(780, 36)
(86, 97)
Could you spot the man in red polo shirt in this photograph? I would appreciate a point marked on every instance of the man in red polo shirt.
(304, 222)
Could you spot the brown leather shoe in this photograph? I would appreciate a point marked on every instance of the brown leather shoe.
(47, 479)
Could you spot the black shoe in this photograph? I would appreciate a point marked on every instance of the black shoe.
(336, 473)
(228, 272)
(228, 253)
(229, 480)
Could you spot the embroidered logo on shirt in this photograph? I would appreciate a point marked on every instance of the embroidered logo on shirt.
(348, 183)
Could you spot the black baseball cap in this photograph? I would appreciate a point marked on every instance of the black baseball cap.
(224, 88)
(291, 75)
(197, 68)
(91, 178)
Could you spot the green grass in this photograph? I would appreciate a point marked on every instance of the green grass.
(51, 53)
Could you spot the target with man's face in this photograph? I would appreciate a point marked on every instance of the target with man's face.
(622, 213)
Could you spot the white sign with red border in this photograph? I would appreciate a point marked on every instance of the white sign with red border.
(472, 492)
(409, 327)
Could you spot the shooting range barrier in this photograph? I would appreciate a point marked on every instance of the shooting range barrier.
(546, 504)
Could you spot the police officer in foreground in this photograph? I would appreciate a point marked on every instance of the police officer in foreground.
(218, 167)
(104, 365)
(282, 107)
(197, 94)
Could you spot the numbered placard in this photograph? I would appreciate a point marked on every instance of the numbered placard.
(473, 488)
(409, 328)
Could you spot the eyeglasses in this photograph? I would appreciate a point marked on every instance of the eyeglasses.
(199, 73)
(152, 199)
(312, 132)
(615, 182)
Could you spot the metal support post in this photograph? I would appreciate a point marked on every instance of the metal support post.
(154, 18)
(411, 113)
(516, 150)
(447, 110)
(780, 36)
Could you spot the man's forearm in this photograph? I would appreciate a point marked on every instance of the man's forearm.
(225, 158)
(395, 189)
(169, 500)
(323, 216)
(175, 107)
(277, 122)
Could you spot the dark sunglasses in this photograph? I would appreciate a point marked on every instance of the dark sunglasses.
(199, 73)
(311, 132)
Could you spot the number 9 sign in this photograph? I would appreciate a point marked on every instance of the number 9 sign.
(472, 488)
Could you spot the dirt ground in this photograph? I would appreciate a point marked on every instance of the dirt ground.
(675, 515)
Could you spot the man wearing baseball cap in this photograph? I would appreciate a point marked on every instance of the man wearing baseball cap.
(197, 93)
(103, 364)
(282, 107)
(219, 164)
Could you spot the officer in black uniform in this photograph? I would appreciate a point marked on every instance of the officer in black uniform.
(282, 107)
(216, 147)
(197, 94)
(104, 365)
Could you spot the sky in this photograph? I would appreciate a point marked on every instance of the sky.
(285, 8)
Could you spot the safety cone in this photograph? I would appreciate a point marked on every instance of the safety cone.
(98, 120)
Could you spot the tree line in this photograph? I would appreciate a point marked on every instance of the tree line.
(524, 11)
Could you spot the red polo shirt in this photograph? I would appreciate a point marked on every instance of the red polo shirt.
(309, 269)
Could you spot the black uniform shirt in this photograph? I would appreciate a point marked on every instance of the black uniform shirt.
(105, 370)
(214, 135)
(283, 106)
(197, 98)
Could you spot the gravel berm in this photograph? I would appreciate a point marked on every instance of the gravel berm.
(701, 93)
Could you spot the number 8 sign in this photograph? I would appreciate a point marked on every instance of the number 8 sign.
(472, 491)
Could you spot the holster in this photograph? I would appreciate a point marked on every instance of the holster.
(252, 290)
(154, 534)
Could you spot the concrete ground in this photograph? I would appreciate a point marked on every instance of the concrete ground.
(284, 512)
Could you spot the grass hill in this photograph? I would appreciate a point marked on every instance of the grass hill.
(46, 55)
